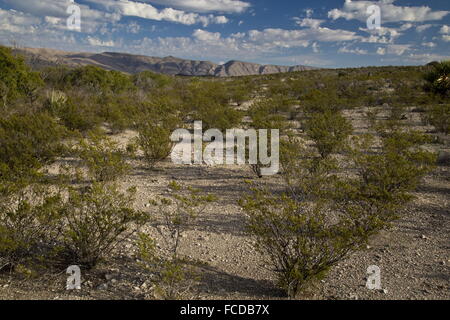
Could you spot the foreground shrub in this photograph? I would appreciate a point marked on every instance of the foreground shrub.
(298, 238)
(30, 224)
(27, 143)
(155, 142)
(102, 157)
(97, 219)
(330, 208)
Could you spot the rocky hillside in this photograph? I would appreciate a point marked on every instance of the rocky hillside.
(129, 63)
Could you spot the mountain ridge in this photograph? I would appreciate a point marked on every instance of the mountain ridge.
(132, 64)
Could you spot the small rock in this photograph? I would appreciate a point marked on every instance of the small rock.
(423, 236)
(103, 286)
(108, 277)
(385, 291)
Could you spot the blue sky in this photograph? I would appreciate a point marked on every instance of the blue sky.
(320, 33)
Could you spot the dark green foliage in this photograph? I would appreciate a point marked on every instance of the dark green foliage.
(215, 116)
(27, 143)
(16, 80)
(98, 80)
(29, 223)
(78, 115)
(438, 78)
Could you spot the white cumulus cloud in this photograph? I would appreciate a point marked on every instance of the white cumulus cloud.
(357, 10)
(229, 6)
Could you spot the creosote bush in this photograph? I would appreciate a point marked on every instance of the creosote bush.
(301, 240)
(329, 130)
(330, 207)
(154, 132)
(439, 117)
(30, 224)
(105, 162)
(16, 79)
(27, 144)
(97, 219)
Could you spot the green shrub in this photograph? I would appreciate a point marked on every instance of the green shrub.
(97, 219)
(329, 130)
(155, 142)
(216, 116)
(330, 208)
(155, 129)
(148, 80)
(390, 175)
(102, 158)
(16, 80)
(298, 238)
(30, 223)
(98, 80)
(27, 143)
(79, 116)
(263, 114)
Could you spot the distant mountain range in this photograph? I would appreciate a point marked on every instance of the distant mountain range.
(132, 64)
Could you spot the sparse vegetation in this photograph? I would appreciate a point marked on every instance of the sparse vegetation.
(98, 218)
(103, 158)
(352, 155)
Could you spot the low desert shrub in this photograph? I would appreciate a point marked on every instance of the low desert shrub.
(330, 207)
(104, 160)
(329, 130)
(155, 129)
(299, 238)
(28, 143)
(30, 224)
(97, 219)
(98, 80)
(16, 78)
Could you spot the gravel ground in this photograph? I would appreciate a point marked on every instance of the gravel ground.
(413, 255)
